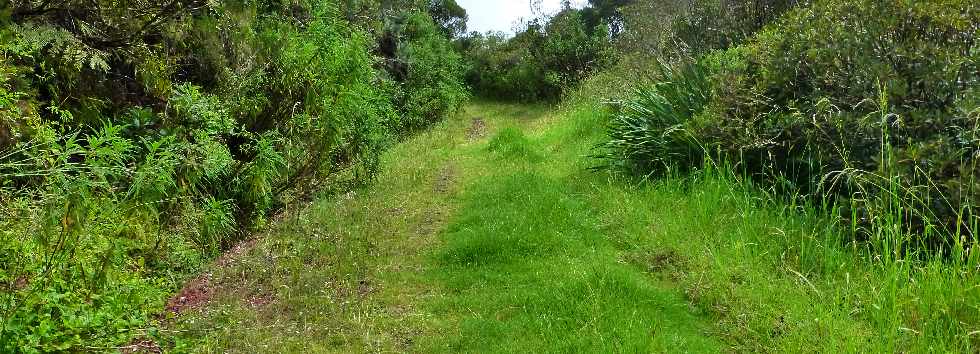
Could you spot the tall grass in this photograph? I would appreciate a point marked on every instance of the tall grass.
(877, 226)
(896, 212)
(672, 125)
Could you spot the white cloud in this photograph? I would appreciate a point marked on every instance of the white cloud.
(502, 15)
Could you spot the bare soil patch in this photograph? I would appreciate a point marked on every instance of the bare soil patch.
(194, 294)
(445, 180)
(141, 345)
(477, 130)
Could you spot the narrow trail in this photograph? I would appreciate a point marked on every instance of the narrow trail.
(485, 234)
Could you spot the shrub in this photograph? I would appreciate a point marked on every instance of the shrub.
(430, 72)
(812, 96)
(678, 31)
(871, 100)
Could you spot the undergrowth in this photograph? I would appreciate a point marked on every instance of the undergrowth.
(140, 141)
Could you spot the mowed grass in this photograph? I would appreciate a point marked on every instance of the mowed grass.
(526, 268)
(489, 233)
(475, 238)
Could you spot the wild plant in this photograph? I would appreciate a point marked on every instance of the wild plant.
(651, 131)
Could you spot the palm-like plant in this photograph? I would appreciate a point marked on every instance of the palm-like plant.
(649, 133)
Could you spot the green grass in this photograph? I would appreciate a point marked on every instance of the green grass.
(526, 267)
(505, 241)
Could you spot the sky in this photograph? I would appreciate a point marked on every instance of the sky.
(500, 15)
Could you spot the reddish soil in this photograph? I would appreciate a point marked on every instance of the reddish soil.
(21, 283)
(198, 291)
(194, 294)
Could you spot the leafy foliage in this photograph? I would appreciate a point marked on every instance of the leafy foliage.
(885, 115)
(450, 17)
(427, 68)
(139, 140)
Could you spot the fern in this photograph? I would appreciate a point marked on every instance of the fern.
(40, 40)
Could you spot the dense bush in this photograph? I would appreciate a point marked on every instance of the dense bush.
(651, 36)
(138, 142)
(541, 60)
(426, 68)
(872, 100)
(709, 25)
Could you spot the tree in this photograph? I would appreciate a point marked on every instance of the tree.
(606, 12)
(450, 17)
(104, 24)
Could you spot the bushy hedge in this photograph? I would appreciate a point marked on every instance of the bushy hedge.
(868, 99)
(138, 142)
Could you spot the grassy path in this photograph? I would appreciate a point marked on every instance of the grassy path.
(485, 234)
(488, 233)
